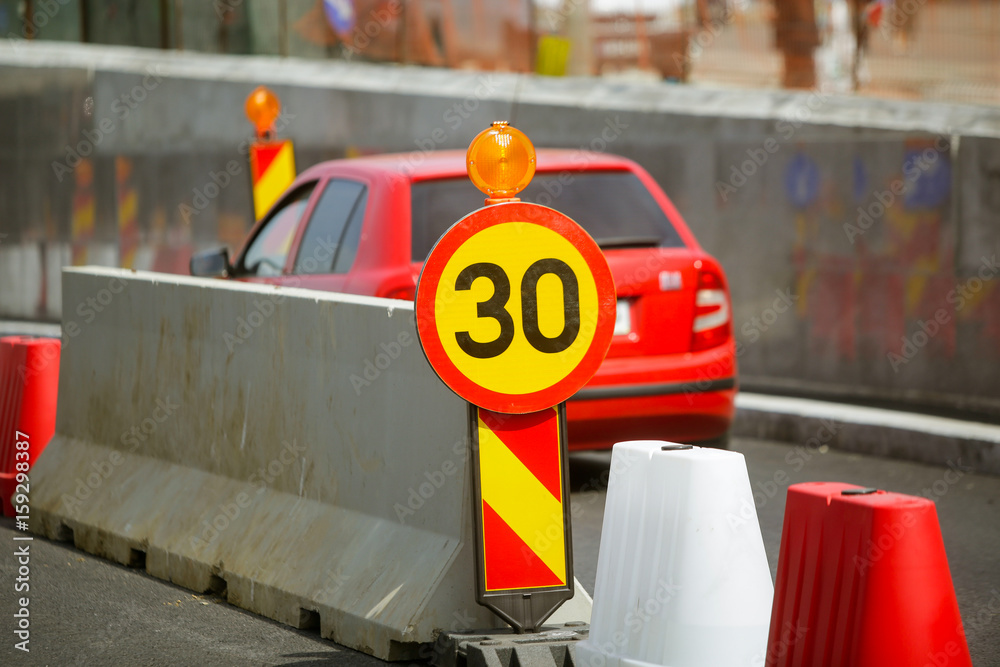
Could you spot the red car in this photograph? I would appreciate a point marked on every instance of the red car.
(365, 226)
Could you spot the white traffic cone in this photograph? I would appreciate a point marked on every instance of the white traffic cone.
(682, 578)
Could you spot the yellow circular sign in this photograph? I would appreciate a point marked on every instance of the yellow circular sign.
(539, 297)
(515, 308)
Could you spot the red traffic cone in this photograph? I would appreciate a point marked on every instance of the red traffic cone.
(29, 385)
(863, 581)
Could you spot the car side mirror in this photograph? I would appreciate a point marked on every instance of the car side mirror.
(211, 263)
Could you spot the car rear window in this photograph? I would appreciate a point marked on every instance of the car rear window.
(613, 206)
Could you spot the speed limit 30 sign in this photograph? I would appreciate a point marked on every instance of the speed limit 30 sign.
(515, 312)
(515, 307)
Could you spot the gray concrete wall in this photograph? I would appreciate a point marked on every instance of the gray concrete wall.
(892, 292)
(226, 435)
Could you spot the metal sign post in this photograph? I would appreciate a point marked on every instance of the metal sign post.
(272, 162)
(515, 311)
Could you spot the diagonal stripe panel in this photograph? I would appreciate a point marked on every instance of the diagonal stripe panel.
(521, 500)
(509, 562)
(272, 182)
(530, 438)
(261, 156)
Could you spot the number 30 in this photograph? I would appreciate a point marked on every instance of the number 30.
(494, 308)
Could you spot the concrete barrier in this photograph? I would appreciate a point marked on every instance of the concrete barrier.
(290, 449)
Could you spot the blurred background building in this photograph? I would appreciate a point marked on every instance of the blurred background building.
(943, 50)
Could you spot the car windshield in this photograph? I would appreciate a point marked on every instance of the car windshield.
(613, 206)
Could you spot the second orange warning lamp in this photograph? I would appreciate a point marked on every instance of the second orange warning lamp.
(263, 108)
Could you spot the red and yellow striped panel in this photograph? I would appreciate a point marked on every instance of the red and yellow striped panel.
(521, 481)
(272, 170)
(128, 218)
(83, 213)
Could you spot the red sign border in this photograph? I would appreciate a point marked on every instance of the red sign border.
(427, 286)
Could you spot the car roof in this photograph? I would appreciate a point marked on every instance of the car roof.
(425, 165)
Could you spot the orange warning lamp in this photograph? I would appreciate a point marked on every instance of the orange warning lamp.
(500, 161)
(262, 109)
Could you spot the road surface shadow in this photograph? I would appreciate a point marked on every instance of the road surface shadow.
(589, 471)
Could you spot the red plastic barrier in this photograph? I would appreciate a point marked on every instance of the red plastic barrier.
(29, 385)
(863, 581)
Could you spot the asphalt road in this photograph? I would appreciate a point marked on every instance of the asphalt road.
(87, 611)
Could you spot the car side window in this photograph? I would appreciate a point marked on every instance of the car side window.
(352, 236)
(324, 235)
(268, 251)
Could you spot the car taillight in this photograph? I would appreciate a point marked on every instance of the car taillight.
(712, 322)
